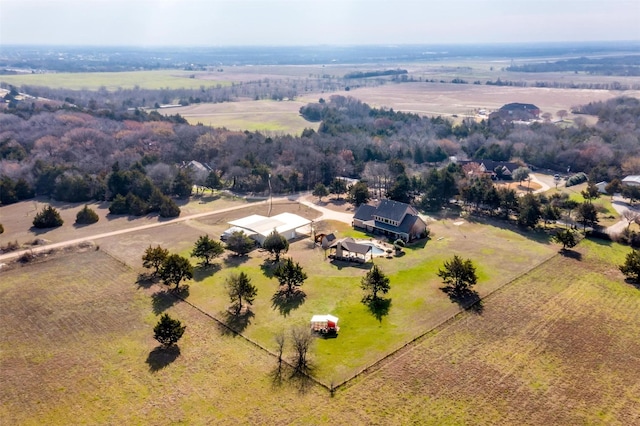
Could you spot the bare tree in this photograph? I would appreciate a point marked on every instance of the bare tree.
(562, 114)
(630, 216)
(301, 338)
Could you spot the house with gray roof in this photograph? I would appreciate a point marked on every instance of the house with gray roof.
(392, 219)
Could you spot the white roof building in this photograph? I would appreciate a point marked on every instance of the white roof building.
(633, 180)
(259, 227)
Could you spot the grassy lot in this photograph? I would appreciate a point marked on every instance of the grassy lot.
(556, 346)
(417, 304)
(172, 79)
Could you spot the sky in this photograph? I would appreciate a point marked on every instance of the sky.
(314, 22)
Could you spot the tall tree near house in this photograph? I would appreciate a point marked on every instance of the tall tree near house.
(359, 194)
(320, 191)
(213, 181)
(338, 187)
(373, 283)
(239, 243)
(613, 187)
(175, 269)
(240, 289)
(290, 275)
(206, 249)
(590, 192)
(459, 275)
(276, 244)
(154, 257)
(520, 174)
(183, 184)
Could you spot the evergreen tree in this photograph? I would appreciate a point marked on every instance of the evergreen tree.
(631, 266)
(240, 289)
(373, 283)
(207, 249)
(175, 269)
(86, 216)
(276, 244)
(47, 218)
(459, 275)
(154, 257)
(168, 331)
(239, 243)
(290, 275)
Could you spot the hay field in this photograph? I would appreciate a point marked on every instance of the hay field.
(265, 116)
(429, 99)
(173, 79)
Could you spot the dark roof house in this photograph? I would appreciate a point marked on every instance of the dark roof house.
(517, 111)
(390, 218)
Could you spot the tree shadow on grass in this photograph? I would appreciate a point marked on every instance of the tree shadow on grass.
(202, 271)
(146, 279)
(285, 301)
(379, 307)
(160, 357)
(571, 254)
(279, 373)
(302, 378)
(236, 323)
(232, 261)
(467, 299)
(269, 267)
(164, 299)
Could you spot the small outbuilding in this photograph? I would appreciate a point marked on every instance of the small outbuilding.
(324, 324)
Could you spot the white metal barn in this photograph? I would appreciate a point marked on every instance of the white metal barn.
(259, 227)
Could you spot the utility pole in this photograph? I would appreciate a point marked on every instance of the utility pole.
(270, 197)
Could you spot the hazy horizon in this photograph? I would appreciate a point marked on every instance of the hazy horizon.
(225, 23)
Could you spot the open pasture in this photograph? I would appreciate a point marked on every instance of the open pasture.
(556, 346)
(265, 116)
(430, 99)
(165, 79)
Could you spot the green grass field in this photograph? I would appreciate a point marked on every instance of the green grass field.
(171, 79)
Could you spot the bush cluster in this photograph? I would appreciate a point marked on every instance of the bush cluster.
(576, 179)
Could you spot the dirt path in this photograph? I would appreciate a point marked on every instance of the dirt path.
(66, 243)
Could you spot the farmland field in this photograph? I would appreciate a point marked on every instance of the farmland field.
(419, 98)
(114, 80)
(280, 117)
(549, 348)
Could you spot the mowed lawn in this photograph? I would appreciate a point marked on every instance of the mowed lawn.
(556, 346)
